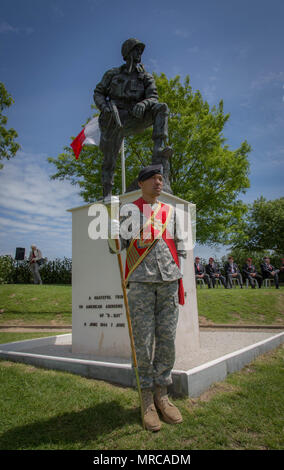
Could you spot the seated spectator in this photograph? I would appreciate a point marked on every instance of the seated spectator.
(232, 272)
(268, 271)
(200, 272)
(251, 274)
(213, 271)
(281, 269)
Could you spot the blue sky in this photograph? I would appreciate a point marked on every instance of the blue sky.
(53, 53)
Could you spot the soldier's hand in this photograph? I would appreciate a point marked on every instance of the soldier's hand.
(114, 229)
(106, 109)
(138, 110)
(181, 264)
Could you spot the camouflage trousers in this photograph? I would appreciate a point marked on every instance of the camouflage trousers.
(154, 315)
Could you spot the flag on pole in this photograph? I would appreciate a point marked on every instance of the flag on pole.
(90, 135)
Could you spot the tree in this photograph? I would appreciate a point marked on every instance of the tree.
(263, 227)
(203, 168)
(8, 146)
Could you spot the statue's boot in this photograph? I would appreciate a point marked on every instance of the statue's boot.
(161, 155)
(107, 191)
(162, 152)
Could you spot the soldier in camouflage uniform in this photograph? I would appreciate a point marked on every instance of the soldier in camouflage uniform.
(153, 304)
(128, 100)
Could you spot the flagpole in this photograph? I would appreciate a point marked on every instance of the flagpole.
(123, 168)
(113, 211)
(132, 344)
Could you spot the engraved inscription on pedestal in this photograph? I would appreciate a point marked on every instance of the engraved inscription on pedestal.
(105, 313)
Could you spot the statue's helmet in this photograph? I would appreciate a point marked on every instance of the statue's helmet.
(129, 44)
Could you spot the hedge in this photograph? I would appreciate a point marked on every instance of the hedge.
(58, 271)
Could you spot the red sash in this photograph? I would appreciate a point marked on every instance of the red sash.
(154, 229)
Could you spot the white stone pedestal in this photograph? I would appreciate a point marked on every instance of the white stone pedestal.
(99, 325)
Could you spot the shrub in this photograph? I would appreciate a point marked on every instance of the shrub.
(58, 271)
(6, 269)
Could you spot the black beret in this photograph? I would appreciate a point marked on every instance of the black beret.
(149, 171)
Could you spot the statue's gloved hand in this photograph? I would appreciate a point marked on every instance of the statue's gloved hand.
(138, 110)
(106, 115)
(106, 109)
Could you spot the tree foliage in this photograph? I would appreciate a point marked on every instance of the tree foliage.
(240, 256)
(263, 227)
(8, 146)
(204, 170)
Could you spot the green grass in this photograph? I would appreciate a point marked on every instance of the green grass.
(35, 304)
(45, 409)
(241, 306)
(52, 305)
(9, 337)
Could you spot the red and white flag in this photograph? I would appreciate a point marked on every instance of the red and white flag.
(90, 135)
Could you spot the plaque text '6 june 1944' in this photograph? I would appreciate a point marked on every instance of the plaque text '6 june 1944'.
(107, 310)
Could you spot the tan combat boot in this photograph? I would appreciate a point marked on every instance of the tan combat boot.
(151, 418)
(169, 411)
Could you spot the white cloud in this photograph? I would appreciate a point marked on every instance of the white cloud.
(29, 30)
(243, 52)
(194, 50)
(7, 28)
(153, 65)
(33, 208)
(210, 93)
(57, 11)
(276, 156)
(182, 33)
(270, 78)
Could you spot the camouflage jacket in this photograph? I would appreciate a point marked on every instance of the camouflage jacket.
(158, 265)
(126, 88)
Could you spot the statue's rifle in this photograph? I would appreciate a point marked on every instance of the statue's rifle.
(115, 113)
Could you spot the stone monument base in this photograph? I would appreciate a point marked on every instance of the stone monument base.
(99, 325)
(220, 353)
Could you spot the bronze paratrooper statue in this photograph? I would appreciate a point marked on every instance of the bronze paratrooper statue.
(128, 100)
